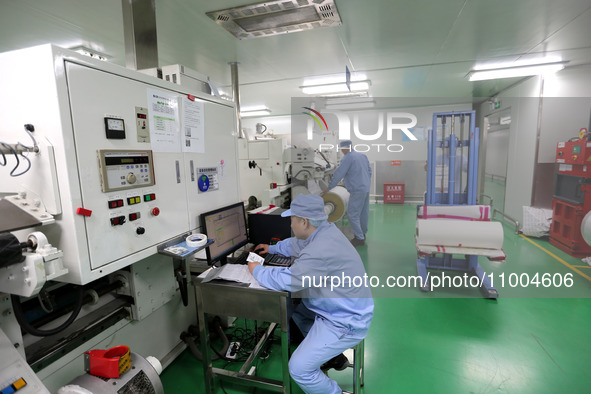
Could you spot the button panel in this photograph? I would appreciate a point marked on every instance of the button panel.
(134, 200)
(149, 197)
(117, 221)
(125, 169)
(14, 387)
(115, 204)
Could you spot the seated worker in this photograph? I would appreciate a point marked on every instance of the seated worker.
(334, 314)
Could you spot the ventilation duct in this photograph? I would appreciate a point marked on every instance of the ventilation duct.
(139, 30)
(277, 17)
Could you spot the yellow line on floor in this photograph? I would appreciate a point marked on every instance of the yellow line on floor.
(581, 266)
(572, 267)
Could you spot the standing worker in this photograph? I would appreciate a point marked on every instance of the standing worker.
(356, 171)
(335, 313)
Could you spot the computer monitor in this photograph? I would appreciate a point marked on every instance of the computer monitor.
(227, 227)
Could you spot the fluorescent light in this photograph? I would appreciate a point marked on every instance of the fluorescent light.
(519, 71)
(339, 87)
(350, 103)
(249, 108)
(333, 78)
(518, 63)
(254, 111)
(347, 94)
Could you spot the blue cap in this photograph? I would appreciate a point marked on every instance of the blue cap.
(345, 144)
(309, 206)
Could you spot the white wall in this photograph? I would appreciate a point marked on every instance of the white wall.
(561, 104)
(522, 101)
(566, 109)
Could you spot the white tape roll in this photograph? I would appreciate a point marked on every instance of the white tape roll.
(196, 240)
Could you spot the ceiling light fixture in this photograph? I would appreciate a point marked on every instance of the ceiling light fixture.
(259, 110)
(339, 87)
(350, 103)
(523, 70)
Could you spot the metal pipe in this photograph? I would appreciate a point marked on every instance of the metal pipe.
(538, 137)
(462, 157)
(236, 96)
(487, 196)
(17, 149)
(508, 219)
(442, 156)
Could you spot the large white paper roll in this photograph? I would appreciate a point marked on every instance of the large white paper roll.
(460, 233)
(336, 201)
(586, 228)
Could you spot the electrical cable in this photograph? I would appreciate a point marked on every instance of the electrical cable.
(29, 128)
(324, 157)
(28, 328)
(24, 171)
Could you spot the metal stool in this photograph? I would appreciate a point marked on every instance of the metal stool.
(358, 368)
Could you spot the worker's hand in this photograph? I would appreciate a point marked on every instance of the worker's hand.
(261, 249)
(252, 265)
(425, 166)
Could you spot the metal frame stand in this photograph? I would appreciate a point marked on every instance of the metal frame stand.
(230, 299)
(465, 194)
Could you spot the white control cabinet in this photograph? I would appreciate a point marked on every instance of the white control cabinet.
(115, 193)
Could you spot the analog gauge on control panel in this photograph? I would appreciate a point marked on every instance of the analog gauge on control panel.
(115, 128)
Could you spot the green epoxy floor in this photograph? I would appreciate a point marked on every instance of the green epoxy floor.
(529, 340)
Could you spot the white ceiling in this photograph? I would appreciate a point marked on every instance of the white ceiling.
(419, 48)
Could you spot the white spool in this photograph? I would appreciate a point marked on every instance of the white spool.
(155, 363)
(586, 228)
(336, 201)
(38, 239)
(196, 240)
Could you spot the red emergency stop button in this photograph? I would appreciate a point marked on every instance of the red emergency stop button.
(156, 211)
(84, 212)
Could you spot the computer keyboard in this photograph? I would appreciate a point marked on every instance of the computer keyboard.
(240, 259)
(277, 260)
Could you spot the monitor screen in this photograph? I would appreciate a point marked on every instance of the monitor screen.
(227, 227)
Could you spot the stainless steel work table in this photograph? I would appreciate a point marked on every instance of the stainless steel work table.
(229, 299)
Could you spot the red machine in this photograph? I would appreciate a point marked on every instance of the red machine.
(572, 195)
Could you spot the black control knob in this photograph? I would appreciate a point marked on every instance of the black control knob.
(140, 230)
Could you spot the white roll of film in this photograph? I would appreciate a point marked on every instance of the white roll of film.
(336, 201)
(586, 228)
(196, 240)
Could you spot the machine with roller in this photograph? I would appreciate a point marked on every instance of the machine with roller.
(570, 230)
(450, 223)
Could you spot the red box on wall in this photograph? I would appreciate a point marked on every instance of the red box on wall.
(393, 193)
